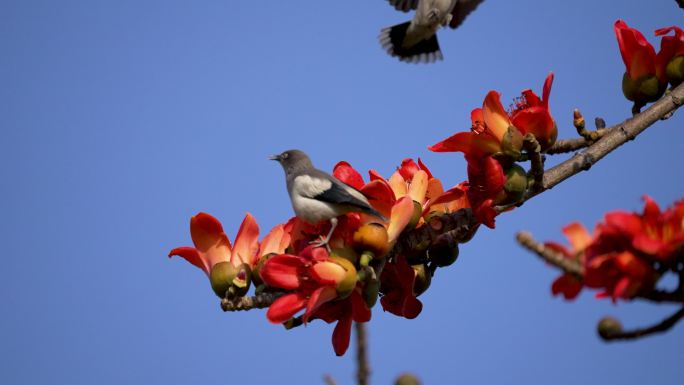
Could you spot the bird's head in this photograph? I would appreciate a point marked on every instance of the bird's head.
(293, 161)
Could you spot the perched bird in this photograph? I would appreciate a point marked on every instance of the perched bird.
(317, 196)
(416, 41)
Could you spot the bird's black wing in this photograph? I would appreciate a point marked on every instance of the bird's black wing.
(461, 10)
(337, 194)
(404, 5)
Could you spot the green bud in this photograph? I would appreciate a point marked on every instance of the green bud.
(370, 293)
(608, 327)
(675, 71)
(630, 88)
(345, 252)
(444, 251)
(256, 272)
(242, 280)
(651, 89)
(348, 283)
(407, 379)
(423, 279)
(221, 277)
(512, 143)
(415, 218)
(516, 184)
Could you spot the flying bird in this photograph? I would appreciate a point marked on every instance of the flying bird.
(317, 196)
(415, 41)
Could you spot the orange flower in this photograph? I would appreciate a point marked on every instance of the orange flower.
(212, 246)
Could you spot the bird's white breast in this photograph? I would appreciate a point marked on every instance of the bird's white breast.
(308, 186)
(304, 188)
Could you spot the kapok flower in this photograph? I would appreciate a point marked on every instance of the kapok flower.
(315, 279)
(531, 115)
(644, 80)
(396, 283)
(486, 187)
(213, 248)
(671, 55)
(580, 239)
(491, 133)
(661, 234)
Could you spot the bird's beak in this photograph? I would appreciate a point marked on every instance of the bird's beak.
(275, 157)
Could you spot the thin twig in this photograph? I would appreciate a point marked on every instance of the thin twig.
(660, 327)
(329, 380)
(553, 257)
(573, 267)
(363, 367)
(533, 149)
(259, 301)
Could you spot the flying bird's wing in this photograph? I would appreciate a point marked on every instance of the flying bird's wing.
(404, 5)
(461, 10)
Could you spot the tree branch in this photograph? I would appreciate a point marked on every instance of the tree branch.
(462, 225)
(552, 257)
(259, 301)
(660, 327)
(573, 267)
(613, 138)
(363, 367)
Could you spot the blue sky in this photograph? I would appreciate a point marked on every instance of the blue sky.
(121, 119)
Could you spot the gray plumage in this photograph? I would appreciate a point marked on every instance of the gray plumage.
(416, 41)
(317, 196)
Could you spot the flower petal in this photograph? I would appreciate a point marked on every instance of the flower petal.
(398, 185)
(327, 273)
(578, 236)
(347, 174)
(206, 231)
(418, 186)
(341, 334)
(380, 196)
(191, 255)
(319, 297)
(495, 115)
(285, 307)
(402, 211)
(408, 168)
(276, 241)
(246, 248)
(282, 271)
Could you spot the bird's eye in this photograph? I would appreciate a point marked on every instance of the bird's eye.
(285, 155)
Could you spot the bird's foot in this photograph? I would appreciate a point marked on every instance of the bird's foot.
(322, 241)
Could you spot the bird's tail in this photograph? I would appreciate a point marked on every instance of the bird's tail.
(425, 51)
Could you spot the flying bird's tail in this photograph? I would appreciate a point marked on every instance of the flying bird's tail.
(393, 40)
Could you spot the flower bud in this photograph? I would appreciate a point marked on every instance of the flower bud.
(578, 120)
(675, 71)
(372, 237)
(423, 279)
(643, 90)
(516, 183)
(221, 277)
(242, 280)
(370, 292)
(608, 327)
(345, 252)
(407, 379)
(512, 143)
(256, 272)
(415, 218)
(443, 251)
(347, 284)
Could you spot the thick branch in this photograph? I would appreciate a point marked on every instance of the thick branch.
(612, 139)
(663, 326)
(363, 367)
(259, 301)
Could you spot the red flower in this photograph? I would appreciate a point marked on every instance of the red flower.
(644, 79)
(661, 234)
(316, 279)
(490, 132)
(671, 55)
(532, 116)
(619, 274)
(486, 187)
(397, 280)
(213, 246)
(579, 239)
